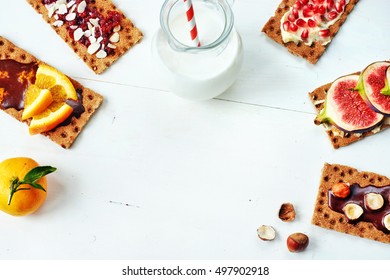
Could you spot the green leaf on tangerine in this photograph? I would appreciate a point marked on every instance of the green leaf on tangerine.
(37, 173)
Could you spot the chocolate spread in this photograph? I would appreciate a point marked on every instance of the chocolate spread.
(357, 196)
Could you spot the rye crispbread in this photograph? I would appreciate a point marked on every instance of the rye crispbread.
(129, 35)
(310, 53)
(325, 217)
(338, 137)
(62, 135)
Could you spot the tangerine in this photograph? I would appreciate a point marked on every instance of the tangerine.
(28, 199)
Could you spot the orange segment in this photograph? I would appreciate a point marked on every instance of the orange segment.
(50, 118)
(36, 101)
(50, 78)
(61, 89)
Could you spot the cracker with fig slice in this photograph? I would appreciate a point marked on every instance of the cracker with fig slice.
(354, 106)
(353, 202)
(64, 134)
(96, 30)
(303, 17)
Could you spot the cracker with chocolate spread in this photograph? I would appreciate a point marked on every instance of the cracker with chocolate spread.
(362, 211)
(96, 30)
(313, 52)
(63, 135)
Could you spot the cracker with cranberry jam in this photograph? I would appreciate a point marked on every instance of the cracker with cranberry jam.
(18, 72)
(97, 31)
(306, 27)
(353, 202)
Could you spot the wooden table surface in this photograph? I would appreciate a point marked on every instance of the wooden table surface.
(154, 176)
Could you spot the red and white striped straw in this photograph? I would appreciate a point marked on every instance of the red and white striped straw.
(191, 22)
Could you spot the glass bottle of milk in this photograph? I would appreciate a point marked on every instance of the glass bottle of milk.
(193, 72)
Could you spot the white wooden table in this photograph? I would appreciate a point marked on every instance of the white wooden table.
(154, 176)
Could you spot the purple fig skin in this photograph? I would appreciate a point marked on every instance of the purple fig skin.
(337, 112)
(361, 86)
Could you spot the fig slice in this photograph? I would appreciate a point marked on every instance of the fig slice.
(372, 87)
(346, 109)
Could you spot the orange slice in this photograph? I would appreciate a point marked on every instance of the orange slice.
(61, 89)
(36, 101)
(50, 118)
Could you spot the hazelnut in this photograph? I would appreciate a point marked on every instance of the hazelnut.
(341, 190)
(374, 201)
(386, 221)
(297, 242)
(352, 211)
(266, 233)
(287, 212)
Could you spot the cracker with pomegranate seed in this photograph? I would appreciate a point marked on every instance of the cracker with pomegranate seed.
(87, 27)
(338, 137)
(313, 52)
(325, 217)
(62, 135)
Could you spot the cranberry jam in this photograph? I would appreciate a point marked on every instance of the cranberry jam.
(81, 17)
(357, 196)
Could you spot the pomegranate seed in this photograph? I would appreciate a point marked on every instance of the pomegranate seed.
(318, 1)
(295, 12)
(293, 27)
(305, 1)
(329, 4)
(305, 34)
(339, 8)
(298, 5)
(342, 2)
(286, 25)
(310, 6)
(291, 17)
(311, 23)
(307, 12)
(301, 23)
(321, 10)
(332, 15)
(324, 33)
(315, 9)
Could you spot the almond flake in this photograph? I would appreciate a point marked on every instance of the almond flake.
(87, 33)
(50, 10)
(111, 46)
(78, 33)
(71, 3)
(92, 39)
(73, 27)
(94, 21)
(101, 54)
(72, 9)
(99, 39)
(70, 17)
(114, 37)
(93, 47)
(116, 28)
(62, 9)
(58, 23)
(56, 17)
(81, 7)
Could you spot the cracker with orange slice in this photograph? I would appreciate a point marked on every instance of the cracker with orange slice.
(54, 104)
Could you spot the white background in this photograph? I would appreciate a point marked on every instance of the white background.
(154, 176)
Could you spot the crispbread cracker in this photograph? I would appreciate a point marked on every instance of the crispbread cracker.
(129, 35)
(338, 137)
(310, 53)
(62, 135)
(325, 217)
